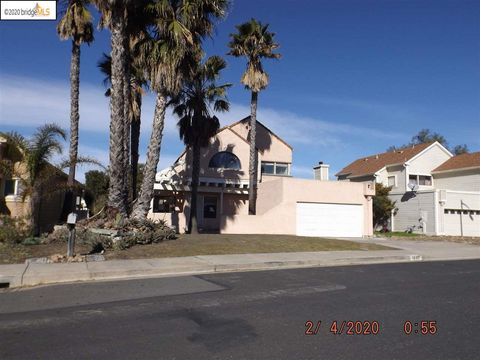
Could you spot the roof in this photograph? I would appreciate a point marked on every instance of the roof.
(463, 161)
(371, 164)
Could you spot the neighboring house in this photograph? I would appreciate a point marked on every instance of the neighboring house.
(15, 203)
(285, 205)
(435, 192)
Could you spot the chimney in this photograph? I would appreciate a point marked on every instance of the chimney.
(320, 172)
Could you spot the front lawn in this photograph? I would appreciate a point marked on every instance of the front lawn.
(396, 234)
(221, 244)
(191, 245)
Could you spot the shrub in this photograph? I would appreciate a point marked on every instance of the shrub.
(13, 230)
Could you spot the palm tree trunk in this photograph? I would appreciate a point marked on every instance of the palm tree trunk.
(68, 204)
(193, 221)
(135, 126)
(153, 156)
(117, 122)
(35, 209)
(126, 114)
(74, 111)
(253, 166)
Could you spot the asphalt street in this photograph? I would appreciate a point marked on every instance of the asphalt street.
(253, 315)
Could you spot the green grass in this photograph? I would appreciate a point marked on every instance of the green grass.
(396, 234)
(221, 244)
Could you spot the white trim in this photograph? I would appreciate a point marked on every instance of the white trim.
(454, 170)
(395, 183)
(392, 220)
(435, 210)
(462, 192)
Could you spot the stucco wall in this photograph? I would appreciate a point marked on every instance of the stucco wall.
(269, 146)
(226, 140)
(278, 214)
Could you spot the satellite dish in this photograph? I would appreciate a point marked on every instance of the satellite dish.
(413, 187)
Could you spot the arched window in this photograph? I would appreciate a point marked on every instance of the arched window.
(224, 160)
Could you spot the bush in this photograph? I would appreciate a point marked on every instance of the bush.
(13, 230)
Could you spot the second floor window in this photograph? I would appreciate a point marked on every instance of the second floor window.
(275, 168)
(424, 180)
(224, 160)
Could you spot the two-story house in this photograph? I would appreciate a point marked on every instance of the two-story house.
(285, 205)
(434, 192)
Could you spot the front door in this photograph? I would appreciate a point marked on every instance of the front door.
(210, 214)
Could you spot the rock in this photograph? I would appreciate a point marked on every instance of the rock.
(57, 258)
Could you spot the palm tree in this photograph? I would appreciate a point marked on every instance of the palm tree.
(34, 155)
(253, 41)
(197, 125)
(178, 29)
(76, 24)
(114, 16)
(137, 82)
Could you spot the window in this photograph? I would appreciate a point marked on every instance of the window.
(274, 168)
(424, 180)
(163, 204)
(268, 168)
(210, 207)
(392, 181)
(10, 187)
(412, 179)
(224, 160)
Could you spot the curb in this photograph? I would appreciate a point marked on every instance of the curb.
(27, 280)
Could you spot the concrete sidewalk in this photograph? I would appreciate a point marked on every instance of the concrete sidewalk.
(37, 274)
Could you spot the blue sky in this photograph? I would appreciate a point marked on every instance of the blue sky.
(356, 76)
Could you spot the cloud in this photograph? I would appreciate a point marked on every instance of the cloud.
(297, 129)
(29, 102)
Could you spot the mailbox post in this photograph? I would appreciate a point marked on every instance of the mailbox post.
(71, 222)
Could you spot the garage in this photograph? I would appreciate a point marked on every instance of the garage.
(335, 220)
(462, 222)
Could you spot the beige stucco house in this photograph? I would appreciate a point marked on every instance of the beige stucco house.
(434, 192)
(13, 201)
(285, 205)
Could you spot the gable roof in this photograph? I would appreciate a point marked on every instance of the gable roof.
(371, 164)
(463, 161)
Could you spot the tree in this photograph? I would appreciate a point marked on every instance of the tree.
(460, 149)
(427, 136)
(96, 184)
(76, 24)
(34, 155)
(382, 206)
(178, 30)
(114, 16)
(197, 125)
(137, 82)
(253, 41)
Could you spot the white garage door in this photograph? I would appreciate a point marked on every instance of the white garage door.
(458, 220)
(320, 219)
